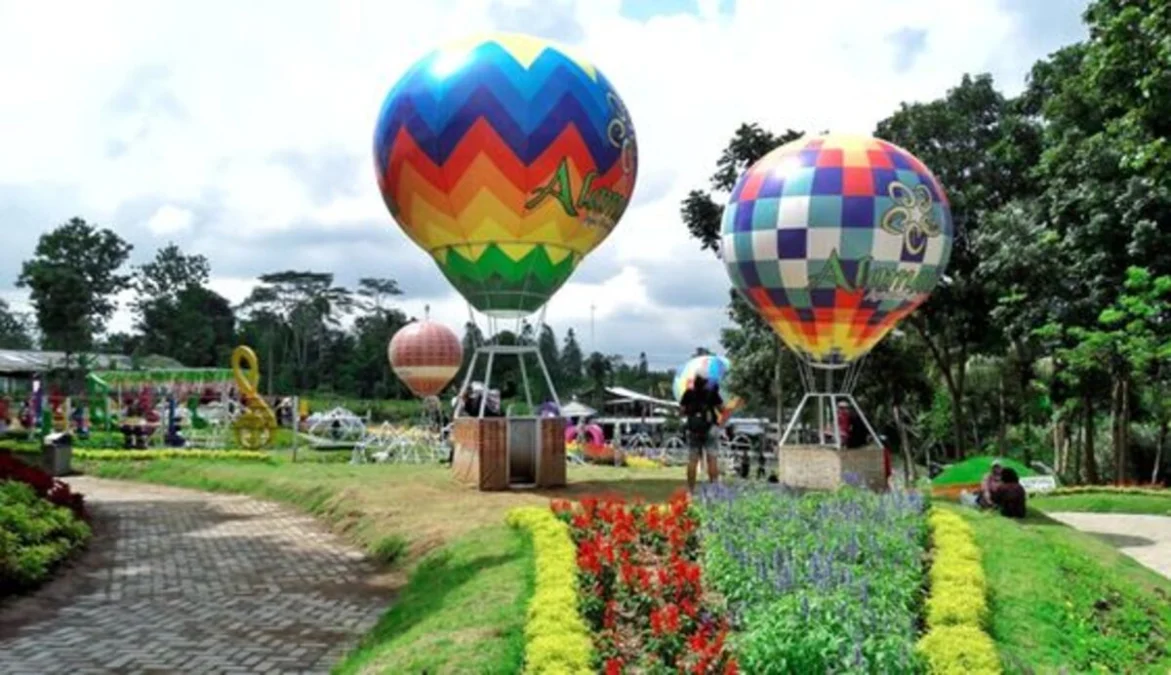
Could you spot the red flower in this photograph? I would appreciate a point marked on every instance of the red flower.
(614, 666)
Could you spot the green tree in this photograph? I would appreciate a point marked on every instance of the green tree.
(598, 369)
(571, 362)
(178, 316)
(551, 355)
(981, 147)
(73, 279)
(14, 329)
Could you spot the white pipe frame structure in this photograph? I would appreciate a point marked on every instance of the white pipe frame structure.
(491, 350)
(822, 390)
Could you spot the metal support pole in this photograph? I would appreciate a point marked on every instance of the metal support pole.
(548, 380)
(793, 420)
(459, 399)
(524, 377)
(833, 408)
(487, 383)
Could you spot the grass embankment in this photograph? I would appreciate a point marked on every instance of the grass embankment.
(1105, 502)
(1064, 601)
(974, 469)
(470, 575)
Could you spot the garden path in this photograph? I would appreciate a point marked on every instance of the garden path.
(1145, 538)
(183, 581)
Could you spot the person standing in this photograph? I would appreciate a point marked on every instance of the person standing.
(700, 407)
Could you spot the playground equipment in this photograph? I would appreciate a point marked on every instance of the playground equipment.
(151, 400)
(256, 425)
(336, 429)
(506, 233)
(846, 276)
(402, 445)
(592, 432)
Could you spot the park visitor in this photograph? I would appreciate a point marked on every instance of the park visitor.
(700, 407)
(1010, 496)
(988, 486)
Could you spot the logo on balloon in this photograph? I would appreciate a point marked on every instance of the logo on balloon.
(911, 216)
(602, 206)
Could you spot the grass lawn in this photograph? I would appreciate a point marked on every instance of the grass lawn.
(465, 576)
(1064, 601)
(1105, 502)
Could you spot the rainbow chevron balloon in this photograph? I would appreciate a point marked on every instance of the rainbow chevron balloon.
(508, 160)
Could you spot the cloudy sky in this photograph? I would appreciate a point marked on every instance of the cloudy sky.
(242, 130)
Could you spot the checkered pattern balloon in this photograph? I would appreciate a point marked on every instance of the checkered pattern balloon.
(425, 356)
(508, 160)
(834, 239)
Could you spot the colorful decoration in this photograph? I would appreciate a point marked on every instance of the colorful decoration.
(508, 159)
(834, 239)
(711, 367)
(256, 426)
(425, 356)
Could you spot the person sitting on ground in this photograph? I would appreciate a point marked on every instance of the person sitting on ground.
(700, 407)
(1010, 496)
(988, 486)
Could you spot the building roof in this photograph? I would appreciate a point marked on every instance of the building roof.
(15, 361)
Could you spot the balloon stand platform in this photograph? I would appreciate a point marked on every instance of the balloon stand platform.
(502, 453)
(820, 467)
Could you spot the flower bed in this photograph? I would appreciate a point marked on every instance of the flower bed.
(556, 639)
(825, 582)
(955, 642)
(35, 535)
(641, 590)
(597, 454)
(44, 485)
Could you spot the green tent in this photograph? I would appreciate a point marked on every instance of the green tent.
(973, 470)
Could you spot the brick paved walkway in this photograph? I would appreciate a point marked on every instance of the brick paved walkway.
(178, 581)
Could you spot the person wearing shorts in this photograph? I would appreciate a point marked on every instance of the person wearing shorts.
(700, 406)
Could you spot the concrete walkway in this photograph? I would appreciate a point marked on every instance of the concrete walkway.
(1145, 538)
(178, 581)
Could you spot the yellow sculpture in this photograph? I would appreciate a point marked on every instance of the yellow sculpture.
(254, 427)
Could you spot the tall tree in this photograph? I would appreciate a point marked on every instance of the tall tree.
(571, 361)
(73, 278)
(599, 369)
(310, 305)
(981, 148)
(177, 315)
(14, 329)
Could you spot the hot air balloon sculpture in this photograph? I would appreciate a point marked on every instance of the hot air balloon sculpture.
(507, 159)
(426, 356)
(834, 239)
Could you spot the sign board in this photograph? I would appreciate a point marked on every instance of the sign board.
(1033, 484)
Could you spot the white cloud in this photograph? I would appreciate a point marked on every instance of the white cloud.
(170, 220)
(178, 101)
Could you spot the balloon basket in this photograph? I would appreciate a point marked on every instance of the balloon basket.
(818, 467)
(502, 453)
(815, 451)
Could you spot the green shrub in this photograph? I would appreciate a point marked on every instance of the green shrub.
(957, 607)
(556, 638)
(389, 549)
(35, 535)
(176, 453)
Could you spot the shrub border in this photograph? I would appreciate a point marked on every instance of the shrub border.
(1106, 490)
(556, 637)
(102, 455)
(957, 607)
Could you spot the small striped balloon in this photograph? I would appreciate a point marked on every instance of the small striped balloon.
(425, 356)
(711, 367)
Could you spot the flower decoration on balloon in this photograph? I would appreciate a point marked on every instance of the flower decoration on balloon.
(911, 217)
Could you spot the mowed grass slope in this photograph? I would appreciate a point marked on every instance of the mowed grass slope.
(1064, 601)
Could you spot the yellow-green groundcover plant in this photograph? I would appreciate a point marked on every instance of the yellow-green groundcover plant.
(145, 455)
(957, 608)
(556, 638)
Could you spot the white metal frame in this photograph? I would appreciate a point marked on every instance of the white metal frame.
(826, 392)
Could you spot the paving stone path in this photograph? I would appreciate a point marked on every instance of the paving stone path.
(1146, 538)
(179, 581)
